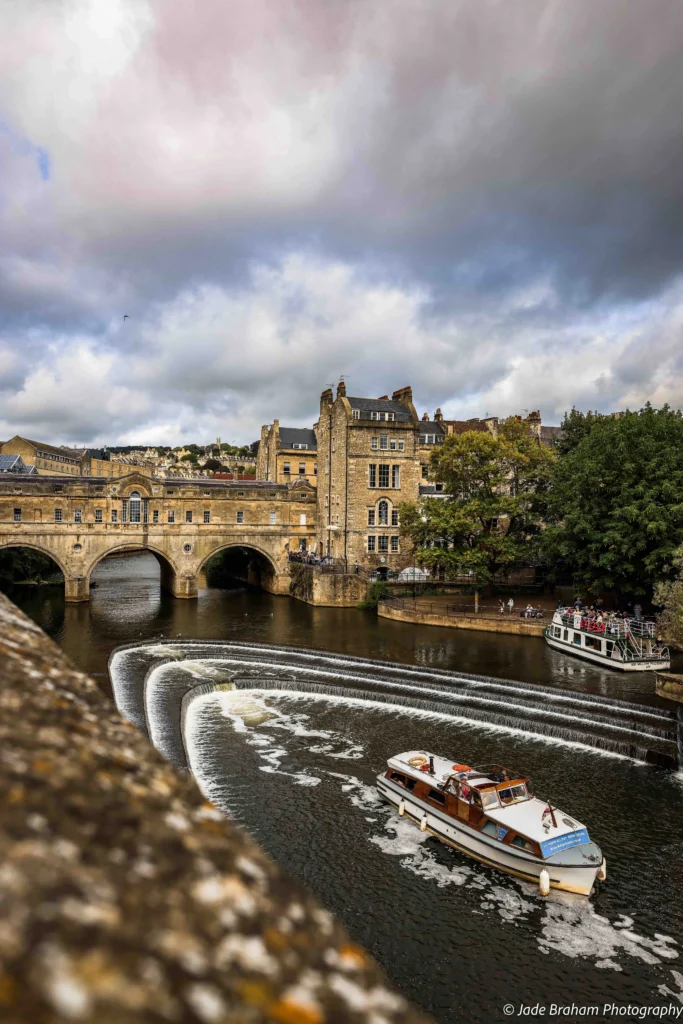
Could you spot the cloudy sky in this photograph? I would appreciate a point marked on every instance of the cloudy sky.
(480, 198)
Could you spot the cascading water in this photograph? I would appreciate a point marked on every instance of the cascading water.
(143, 679)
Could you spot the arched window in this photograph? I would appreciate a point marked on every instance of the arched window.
(383, 513)
(134, 506)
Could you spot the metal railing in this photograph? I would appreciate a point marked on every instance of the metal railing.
(617, 627)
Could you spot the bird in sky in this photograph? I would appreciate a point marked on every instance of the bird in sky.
(126, 317)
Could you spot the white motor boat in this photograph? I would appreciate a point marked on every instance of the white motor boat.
(491, 814)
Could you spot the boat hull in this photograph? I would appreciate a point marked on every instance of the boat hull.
(568, 878)
(602, 659)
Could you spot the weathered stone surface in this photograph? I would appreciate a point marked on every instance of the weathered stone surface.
(125, 897)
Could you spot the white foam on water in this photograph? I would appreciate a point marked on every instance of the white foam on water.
(677, 992)
(363, 796)
(403, 839)
(572, 926)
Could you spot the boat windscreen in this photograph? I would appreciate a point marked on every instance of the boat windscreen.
(513, 794)
(489, 798)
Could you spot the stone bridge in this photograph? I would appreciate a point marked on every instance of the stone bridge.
(78, 522)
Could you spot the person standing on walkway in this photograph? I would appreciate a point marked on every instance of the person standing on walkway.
(501, 606)
(511, 605)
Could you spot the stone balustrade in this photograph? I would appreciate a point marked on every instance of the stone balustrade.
(126, 897)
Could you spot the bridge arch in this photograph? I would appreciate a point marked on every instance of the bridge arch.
(130, 545)
(239, 546)
(34, 545)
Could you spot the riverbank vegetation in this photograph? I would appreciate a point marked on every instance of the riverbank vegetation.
(602, 507)
(21, 565)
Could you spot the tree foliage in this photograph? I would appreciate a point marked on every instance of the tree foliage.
(616, 506)
(668, 595)
(19, 564)
(497, 489)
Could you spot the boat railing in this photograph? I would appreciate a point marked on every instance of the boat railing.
(621, 627)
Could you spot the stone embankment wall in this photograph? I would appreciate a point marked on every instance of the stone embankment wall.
(332, 590)
(492, 624)
(125, 897)
(670, 685)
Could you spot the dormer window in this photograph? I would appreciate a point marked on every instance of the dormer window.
(356, 414)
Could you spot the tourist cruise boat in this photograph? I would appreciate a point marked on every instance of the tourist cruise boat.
(491, 814)
(630, 645)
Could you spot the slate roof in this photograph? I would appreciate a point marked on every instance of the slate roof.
(51, 448)
(431, 427)
(298, 435)
(550, 434)
(368, 405)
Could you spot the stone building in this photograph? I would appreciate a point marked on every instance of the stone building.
(286, 454)
(367, 465)
(48, 459)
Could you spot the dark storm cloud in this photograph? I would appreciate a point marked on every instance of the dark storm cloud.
(442, 194)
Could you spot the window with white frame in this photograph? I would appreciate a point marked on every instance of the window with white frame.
(383, 476)
(383, 513)
(300, 446)
(207, 517)
(356, 414)
(58, 515)
(371, 543)
(374, 444)
(394, 545)
(273, 518)
(302, 469)
(395, 476)
(394, 517)
(17, 515)
(114, 515)
(286, 466)
(188, 516)
(78, 515)
(396, 445)
(171, 517)
(383, 544)
(384, 442)
(372, 475)
(240, 517)
(155, 516)
(134, 507)
(371, 517)
(98, 515)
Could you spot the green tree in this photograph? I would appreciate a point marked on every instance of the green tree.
(497, 489)
(213, 465)
(668, 595)
(191, 457)
(575, 426)
(616, 505)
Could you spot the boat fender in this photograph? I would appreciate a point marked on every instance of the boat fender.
(401, 808)
(423, 823)
(544, 882)
(602, 870)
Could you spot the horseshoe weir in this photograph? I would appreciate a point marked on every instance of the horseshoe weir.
(154, 684)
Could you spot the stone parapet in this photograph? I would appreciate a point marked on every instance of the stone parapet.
(125, 897)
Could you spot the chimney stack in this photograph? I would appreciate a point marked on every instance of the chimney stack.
(341, 389)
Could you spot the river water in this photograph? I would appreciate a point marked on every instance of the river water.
(294, 758)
